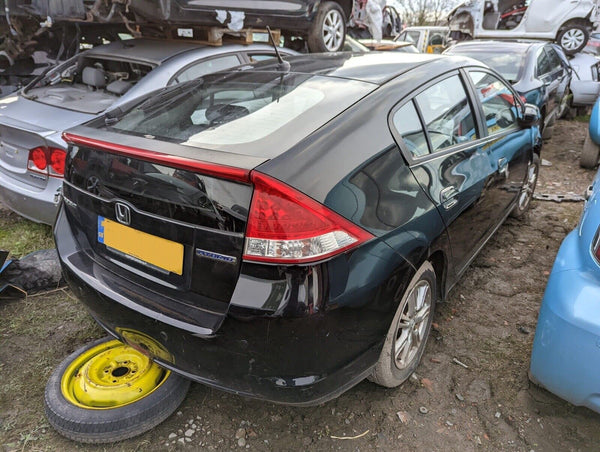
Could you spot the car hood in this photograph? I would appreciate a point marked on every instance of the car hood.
(17, 111)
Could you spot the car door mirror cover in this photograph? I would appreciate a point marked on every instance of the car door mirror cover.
(530, 115)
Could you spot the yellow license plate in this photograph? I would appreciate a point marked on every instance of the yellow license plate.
(156, 251)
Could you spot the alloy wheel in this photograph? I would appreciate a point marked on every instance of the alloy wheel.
(412, 326)
(333, 30)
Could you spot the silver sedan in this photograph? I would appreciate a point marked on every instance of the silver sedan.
(32, 152)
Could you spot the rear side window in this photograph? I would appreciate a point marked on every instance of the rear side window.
(555, 62)
(206, 67)
(447, 114)
(407, 123)
(498, 101)
(543, 64)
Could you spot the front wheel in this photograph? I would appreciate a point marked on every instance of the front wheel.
(589, 153)
(528, 188)
(406, 339)
(328, 31)
(573, 37)
(107, 391)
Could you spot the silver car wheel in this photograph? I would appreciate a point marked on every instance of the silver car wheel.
(412, 325)
(572, 39)
(333, 30)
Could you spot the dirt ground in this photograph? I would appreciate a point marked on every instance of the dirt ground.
(488, 324)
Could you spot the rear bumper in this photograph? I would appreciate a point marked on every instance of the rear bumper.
(39, 205)
(312, 349)
(566, 350)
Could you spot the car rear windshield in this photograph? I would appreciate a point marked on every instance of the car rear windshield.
(87, 84)
(245, 112)
(509, 64)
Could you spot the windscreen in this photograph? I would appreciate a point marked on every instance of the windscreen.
(250, 113)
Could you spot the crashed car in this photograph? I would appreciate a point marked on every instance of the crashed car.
(284, 231)
(565, 358)
(569, 23)
(585, 84)
(32, 152)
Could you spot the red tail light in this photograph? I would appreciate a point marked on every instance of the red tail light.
(286, 226)
(47, 161)
(596, 246)
(57, 161)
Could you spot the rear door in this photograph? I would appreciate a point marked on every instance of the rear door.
(545, 73)
(440, 136)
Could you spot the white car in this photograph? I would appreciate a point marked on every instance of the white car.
(569, 22)
(585, 85)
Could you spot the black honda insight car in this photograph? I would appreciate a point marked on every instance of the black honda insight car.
(284, 232)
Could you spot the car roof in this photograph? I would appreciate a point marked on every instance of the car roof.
(371, 67)
(521, 46)
(153, 51)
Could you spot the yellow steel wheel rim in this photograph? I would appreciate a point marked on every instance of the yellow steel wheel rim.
(110, 375)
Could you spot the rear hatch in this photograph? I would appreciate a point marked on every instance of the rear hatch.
(176, 232)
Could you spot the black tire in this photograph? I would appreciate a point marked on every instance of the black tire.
(88, 425)
(317, 39)
(569, 37)
(589, 154)
(387, 372)
(528, 189)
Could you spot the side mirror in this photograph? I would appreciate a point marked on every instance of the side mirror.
(530, 116)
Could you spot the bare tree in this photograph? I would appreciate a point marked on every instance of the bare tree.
(426, 12)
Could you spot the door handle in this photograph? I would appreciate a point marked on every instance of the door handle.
(448, 197)
(503, 167)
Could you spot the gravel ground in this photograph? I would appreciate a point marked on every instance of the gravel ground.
(484, 403)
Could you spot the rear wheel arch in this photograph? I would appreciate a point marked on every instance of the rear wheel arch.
(347, 7)
(439, 263)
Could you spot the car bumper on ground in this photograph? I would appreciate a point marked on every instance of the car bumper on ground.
(566, 350)
(39, 205)
(311, 350)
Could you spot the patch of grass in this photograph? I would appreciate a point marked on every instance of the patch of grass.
(21, 236)
(582, 118)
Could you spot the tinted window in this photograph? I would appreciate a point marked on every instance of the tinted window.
(447, 113)
(407, 123)
(499, 104)
(206, 67)
(245, 112)
(543, 64)
(508, 64)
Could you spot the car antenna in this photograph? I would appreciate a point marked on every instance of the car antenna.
(283, 65)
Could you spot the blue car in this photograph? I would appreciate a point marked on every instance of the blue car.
(566, 350)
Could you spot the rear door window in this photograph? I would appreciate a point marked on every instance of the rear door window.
(498, 101)
(407, 123)
(447, 114)
(543, 64)
(554, 60)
